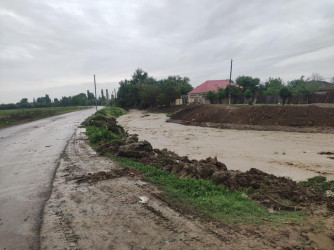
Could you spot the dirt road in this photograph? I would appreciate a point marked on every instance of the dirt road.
(29, 156)
(109, 214)
(97, 205)
(280, 153)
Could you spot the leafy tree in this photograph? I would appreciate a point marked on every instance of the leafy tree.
(249, 95)
(143, 90)
(168, 93)
(23, 103)
(250, 86)
(181, 84)
(285, 93)
(221, 94)
(55, 101)
(273, 86)
(235, 91)
(128, 94)
(44, 101)
(247, 82)
(211, 96)
(65, 101)
(78, 100)
(149, 96)
(302, 87)
(139, 76)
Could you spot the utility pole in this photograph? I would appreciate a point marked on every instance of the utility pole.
(95, 94)
(229, 85)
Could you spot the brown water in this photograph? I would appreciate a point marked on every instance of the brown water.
(290, 154)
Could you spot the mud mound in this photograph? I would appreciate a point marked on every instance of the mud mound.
(290, 116)
(102, 175)
(269, 190)
(99, 121)
(142, 151)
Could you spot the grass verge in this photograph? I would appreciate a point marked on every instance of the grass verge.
(207, 200)
(319, 183)
(18, 116)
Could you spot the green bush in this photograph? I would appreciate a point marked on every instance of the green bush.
(319, 183)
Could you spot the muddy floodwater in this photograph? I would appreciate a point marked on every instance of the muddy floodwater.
(295, 155)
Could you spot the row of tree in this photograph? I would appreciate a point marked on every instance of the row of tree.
(144, 91)
(82, 99)
(252, 87)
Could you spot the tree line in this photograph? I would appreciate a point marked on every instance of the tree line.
(252, 87)
(143, 91)
(82, 99)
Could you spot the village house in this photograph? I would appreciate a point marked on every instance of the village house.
(197, 94)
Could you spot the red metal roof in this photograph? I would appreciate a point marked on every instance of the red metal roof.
(211, 85)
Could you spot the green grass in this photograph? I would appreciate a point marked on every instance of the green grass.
(17, 116)
(111, 112)
(319, 183)
(101, 128)
(207, 200)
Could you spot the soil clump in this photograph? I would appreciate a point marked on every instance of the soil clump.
(268, 190)
(283, 118)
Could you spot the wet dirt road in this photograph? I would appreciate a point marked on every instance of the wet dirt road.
(280, 153)
(110, 213)
(29, 156)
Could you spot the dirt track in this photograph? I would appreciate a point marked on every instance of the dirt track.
(103, 211)
(108, 214)
(284, 154)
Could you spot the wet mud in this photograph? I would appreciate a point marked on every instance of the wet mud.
(285, 154)
(96, 205)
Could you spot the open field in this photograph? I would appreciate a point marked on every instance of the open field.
(18, 116)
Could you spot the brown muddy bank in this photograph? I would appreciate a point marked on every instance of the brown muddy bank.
(265, 188)
(310, 119)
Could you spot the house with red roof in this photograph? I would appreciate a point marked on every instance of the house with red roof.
(196, 95)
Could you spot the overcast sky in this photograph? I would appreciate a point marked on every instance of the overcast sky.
(56, 46)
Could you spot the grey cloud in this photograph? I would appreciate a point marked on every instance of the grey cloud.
(47, 45)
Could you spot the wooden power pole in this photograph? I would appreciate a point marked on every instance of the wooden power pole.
(95, 94)
(229, 85)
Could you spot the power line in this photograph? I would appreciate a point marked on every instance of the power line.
(304, 49)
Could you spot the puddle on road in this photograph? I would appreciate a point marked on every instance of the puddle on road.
(280, 153)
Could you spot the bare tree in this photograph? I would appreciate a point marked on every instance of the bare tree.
(316, 77)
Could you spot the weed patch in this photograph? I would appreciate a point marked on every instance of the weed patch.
(319, 183)
(206, 199)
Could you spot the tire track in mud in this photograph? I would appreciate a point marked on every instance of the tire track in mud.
(107, 213)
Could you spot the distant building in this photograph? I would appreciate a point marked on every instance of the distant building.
(324, 87)
(197, 94)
